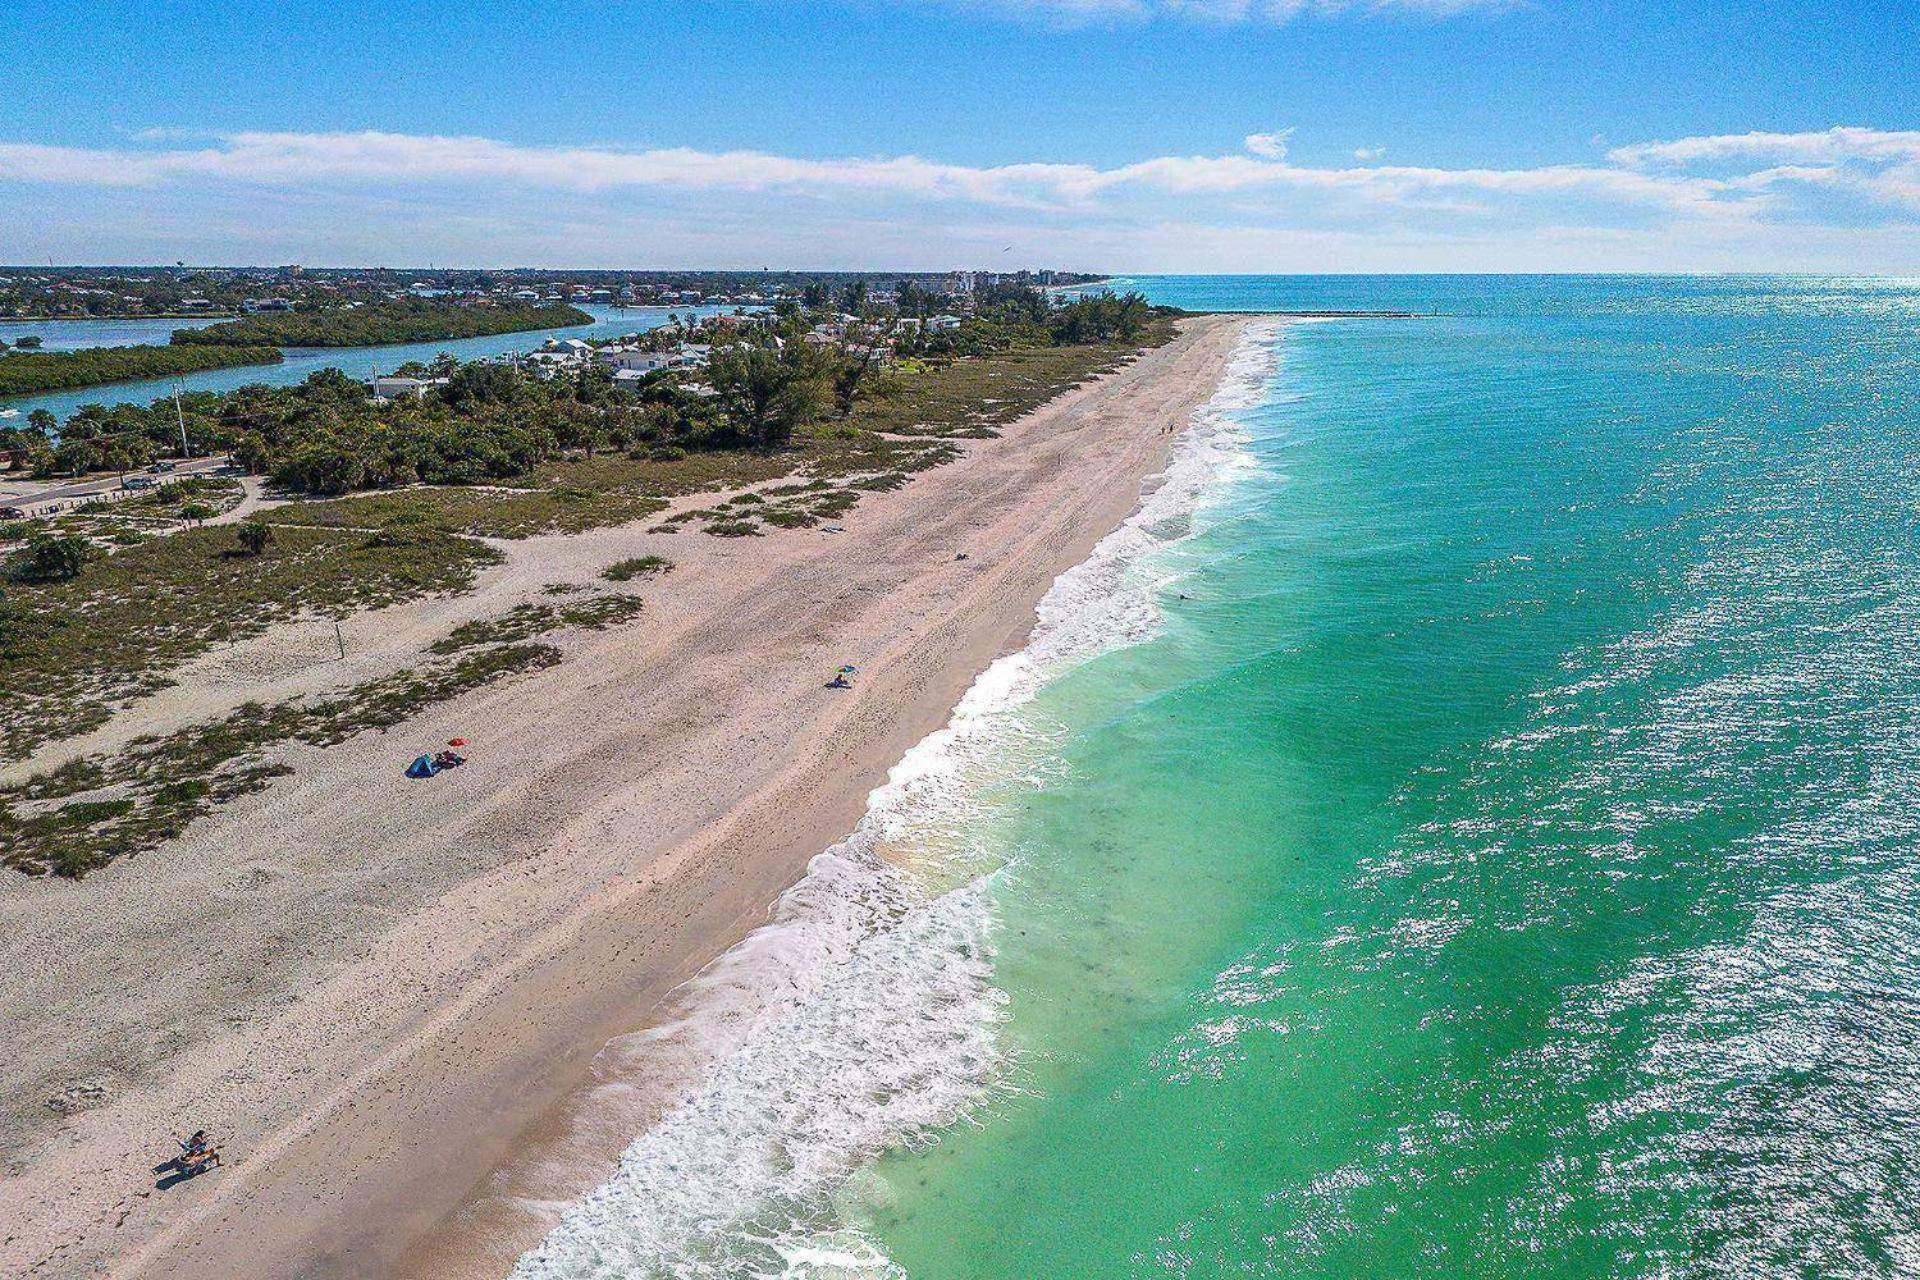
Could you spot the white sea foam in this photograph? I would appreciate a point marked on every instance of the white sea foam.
(864, 1016)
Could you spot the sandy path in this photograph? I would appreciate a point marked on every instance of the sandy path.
(386, 984)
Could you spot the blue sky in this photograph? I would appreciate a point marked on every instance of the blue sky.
(1127, 135)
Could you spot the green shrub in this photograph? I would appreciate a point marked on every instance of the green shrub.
(254, 536)
(51, 557)
(627, 570)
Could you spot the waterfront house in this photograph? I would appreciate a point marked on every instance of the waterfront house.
(631, 360)
(394, 387)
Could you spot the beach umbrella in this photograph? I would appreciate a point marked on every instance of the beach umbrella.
(848, 670)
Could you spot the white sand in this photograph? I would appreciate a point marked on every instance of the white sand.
(387, 986)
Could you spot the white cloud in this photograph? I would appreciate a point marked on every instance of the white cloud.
(1873, 165)
(1273, 145)
(1839, 143)
(1715, 190)
(393, 158)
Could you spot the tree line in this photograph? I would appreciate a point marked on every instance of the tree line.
(24, 372)
(492, 421)
(379, 324)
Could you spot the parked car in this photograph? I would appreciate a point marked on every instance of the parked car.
(137, 482)
(161, 468)
(12, 513)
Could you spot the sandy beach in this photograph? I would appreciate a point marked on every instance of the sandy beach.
(380, 995)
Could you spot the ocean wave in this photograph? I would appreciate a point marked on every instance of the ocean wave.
(864, 1017)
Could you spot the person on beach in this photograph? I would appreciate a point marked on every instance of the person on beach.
(197, 1154)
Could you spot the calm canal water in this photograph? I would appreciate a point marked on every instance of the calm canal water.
(68, 335)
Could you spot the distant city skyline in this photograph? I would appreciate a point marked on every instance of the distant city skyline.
(1113, 135)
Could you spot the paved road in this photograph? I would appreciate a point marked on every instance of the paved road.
(91, 488)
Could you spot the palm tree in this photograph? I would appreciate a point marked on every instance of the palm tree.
(254, 535)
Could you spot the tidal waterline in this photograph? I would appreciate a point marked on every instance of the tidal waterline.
(1502, 861)
(1465, 825)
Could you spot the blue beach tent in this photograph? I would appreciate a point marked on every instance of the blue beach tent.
(423, 767)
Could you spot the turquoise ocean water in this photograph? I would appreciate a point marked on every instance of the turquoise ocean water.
(1468, 824)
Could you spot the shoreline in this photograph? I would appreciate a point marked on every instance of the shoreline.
(864, 1017)
(634, 813)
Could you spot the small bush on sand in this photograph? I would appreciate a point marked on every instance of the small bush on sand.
(51, 557)
(254, 536)
(627, 570)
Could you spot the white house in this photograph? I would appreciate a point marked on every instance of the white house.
(548, 363)
(628, 360)
(393, 387)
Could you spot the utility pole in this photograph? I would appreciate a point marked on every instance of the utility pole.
(181, 414)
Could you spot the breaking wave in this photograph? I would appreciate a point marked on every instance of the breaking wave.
(864, 1015)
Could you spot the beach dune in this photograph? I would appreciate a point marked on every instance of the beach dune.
(379, 994)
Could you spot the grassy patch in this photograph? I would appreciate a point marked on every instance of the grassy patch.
(73, 649)
(167, 501)
(164, 783)
(974, 397)
(529, 620)
(627, 570)
(486, 513)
